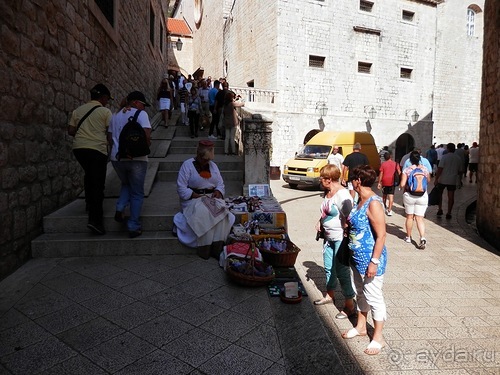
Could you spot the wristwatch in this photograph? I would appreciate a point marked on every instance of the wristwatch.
(375, 261)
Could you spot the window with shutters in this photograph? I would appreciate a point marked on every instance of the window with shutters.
(316, 61)
(365, 6)
(151, 25)
(408, 15)
(364, 67)
(471, 18)
(405, 73)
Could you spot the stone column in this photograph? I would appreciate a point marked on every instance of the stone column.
(257, 147)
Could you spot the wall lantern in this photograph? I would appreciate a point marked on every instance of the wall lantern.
(370, 111)
(414, 116)
(321, 109)
(179, 44)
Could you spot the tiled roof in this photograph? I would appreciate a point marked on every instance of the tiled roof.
(177, 26)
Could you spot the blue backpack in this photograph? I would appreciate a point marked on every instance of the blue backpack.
(417, 182)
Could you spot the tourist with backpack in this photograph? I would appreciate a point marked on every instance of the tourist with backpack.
(414, 181)
(130, 137)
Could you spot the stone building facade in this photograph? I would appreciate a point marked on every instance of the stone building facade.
(488, 195)
(52, 53)
(395, 56)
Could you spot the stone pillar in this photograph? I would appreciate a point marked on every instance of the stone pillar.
(488, 193)
(257, 145)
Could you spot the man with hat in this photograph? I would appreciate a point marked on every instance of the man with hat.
(204, 221)
(88, 125)
(131, 171)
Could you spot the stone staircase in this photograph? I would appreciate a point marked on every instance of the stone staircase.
(65, 230)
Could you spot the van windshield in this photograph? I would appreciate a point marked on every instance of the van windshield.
(314, 152)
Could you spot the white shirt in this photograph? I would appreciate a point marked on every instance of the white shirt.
(118, 121)
(336, 159)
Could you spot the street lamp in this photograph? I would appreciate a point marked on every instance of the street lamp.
(178, 44)
(414, 116)
(370, 111)
(321, 109)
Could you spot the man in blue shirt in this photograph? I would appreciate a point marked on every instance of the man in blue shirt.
(211, 106)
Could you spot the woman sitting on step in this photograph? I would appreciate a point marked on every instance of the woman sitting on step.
(205, 221)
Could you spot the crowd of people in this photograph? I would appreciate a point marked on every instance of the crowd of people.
(202, 103)
(352, 219)
(359, 216)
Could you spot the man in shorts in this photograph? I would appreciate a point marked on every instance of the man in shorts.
(449, 167)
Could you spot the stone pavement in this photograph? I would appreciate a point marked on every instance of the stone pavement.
(178, 314)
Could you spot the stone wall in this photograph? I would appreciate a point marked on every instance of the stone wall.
(457, 88)
(488, 201)
(52, 53)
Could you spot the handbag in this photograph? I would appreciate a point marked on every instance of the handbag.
(344, 253)
(397, 177)
(434, 197)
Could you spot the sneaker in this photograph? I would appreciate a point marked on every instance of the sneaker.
(440, 213)
(408, 239)
(423, 241)
(96, 228)
(389, 212)
(212, 137)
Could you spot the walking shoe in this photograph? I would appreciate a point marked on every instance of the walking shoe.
(96, 228)
(423, 241)
(448, 216)
(389, 212)
(119, 217)
(440, 213)
(212, 137)
(408, 239)
(134, 233)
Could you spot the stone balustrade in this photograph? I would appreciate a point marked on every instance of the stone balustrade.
(251, 94)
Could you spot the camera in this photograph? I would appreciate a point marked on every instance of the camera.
(320, 234)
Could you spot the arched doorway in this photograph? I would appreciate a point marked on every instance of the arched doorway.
(311, 134)
(404, 144)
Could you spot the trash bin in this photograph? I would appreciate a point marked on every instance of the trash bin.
(274, 173)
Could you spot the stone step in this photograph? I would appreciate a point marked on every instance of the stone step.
(111, 244)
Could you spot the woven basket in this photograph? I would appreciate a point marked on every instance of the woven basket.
(286, 258)
(248, 279)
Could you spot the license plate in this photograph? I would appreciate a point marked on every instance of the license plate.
(294, 178)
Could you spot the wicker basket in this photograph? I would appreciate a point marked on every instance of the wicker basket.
(249, 278)
(286, 258)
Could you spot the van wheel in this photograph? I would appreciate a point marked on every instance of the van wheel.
(293, 186)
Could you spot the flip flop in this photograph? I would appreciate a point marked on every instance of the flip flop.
(374, 347)
(353, 332)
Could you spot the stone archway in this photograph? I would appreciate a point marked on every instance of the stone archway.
(404, 144)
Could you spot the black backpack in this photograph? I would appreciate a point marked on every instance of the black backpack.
(132, 142)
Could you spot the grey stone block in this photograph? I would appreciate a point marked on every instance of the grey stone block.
(119, 352)
(160, 331)
(133, 315)
(230, 326)
(77, 365)
(41, 301)
(197, 312)
(77, 287)
(66, 318)
(157, 362)
(105, 303)
(20, 337)
(143, 288)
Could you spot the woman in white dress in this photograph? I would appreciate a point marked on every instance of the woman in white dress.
(205, 221)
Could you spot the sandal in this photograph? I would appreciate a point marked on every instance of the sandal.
(374, 348)
(353, 332)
